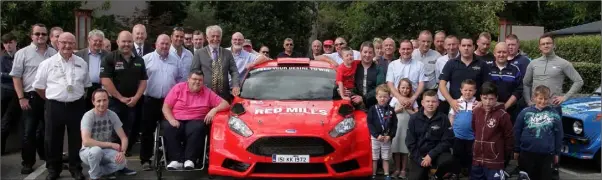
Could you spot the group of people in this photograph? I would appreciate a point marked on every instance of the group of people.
(129, 91)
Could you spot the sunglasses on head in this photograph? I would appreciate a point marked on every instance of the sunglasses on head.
(39, 34)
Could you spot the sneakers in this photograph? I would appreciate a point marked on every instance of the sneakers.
(127, 171)
(146, 166)
(387, 177)
(523, 176)
(188, 165)
(174, 165)
(110, 176)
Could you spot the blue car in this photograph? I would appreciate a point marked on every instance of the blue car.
(581, 119)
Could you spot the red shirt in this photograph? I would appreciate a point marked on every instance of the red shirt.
(186, 105)
(347, 74)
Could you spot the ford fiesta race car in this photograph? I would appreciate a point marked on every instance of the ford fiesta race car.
(581, 124)
(290, 122)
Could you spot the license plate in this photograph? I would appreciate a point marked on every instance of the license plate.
(279, 158)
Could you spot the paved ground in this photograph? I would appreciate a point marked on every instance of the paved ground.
(571, 169)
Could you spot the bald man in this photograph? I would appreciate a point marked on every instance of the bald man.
(316, 49)
(140, 47)
(62, 79)
(508, 79)
(163, 72)
(242, 58)
(123, 75)
(106, 45)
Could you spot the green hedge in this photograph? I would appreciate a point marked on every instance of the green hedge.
(590, 72)
(572, 48)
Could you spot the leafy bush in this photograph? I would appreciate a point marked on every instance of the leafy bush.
(571, 48)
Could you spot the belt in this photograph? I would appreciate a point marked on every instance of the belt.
(61, 102)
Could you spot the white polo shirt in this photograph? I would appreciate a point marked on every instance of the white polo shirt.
(429, 59)
(336, 57)
(56, 74)
(412, 69)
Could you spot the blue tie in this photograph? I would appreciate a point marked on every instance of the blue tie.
(214, 55)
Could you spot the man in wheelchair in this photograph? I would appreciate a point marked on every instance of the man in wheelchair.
(188, 108)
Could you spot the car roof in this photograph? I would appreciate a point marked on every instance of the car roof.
(312, 63)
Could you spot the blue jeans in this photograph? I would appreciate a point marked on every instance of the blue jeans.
(101, 161)
(483, 173)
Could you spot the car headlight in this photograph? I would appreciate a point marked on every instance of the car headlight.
(344, 127)
(239, 127)
(578, 127)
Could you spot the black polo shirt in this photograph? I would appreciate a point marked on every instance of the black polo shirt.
(455, 71)
(488, 58)
(126, 76)
(293, 55)
(509, 81)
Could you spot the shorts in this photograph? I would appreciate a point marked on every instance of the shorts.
(380, 150)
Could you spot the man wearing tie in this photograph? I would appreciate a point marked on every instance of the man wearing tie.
(93, 55)
(217, 63)
(140, 47)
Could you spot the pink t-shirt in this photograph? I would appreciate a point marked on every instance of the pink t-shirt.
(191, 106)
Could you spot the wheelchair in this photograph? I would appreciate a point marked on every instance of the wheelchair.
(160, 155)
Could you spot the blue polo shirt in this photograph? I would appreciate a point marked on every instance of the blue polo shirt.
(509, 81)
(455, 71)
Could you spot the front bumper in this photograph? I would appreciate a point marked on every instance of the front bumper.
(234, 156)
(579, 147)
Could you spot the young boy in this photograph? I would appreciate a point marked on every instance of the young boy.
(493, 136)
(538, 136)
(461, 123)
(382, 124)
(429, 139)
(345, 77)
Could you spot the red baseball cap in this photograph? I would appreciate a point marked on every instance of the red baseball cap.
(328, 43)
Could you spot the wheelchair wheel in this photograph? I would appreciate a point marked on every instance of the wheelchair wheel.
(158, 153)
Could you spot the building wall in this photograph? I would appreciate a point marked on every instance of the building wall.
(528, 32)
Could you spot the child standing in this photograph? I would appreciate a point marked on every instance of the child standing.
(493, 136)
(382, 125)
(399, 148)
(461, 124)
(538, 136)
(345, 77)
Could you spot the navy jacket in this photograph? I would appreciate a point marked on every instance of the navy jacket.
(5, 67)
(538, 131)
(521, 61)
(509, 81)
(428, 136)
(374, 125)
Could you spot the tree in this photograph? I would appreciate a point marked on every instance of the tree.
(200, 15)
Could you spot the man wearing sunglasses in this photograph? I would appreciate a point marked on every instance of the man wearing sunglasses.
(188, 41)
(288, 50)
(264, 50)
(339, 44)
(23, 72)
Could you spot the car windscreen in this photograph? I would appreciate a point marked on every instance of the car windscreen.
(290, 83)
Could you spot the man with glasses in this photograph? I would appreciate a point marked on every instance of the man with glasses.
(188, 41)
(339, 44)
(54, 36)
(198, 40)
(62, 79)
(141, 48)
(177, 48)
(241, 57)
(288, 50)
(23, 72)
(123, 75)
(440, 42)
(93, 55)
(264, 50)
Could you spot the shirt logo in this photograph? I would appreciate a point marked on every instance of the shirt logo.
(435, 127)
(119, 66)
(491, 123)
(137, 64)
(476, 68)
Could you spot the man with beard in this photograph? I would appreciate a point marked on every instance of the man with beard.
(316, 49)
(93, 55)
(140, 47)
(440, 42)
(452, 52)
(217, 64)
(23, 72)
(62, 79)
(406, 67)
(482, 51)
(428, 57)
(289, 50)
(123, 75)
(241, 57)
(339, 44)
(177, 48)
(367, 77)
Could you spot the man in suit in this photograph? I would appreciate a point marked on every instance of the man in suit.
(93, 55)
(140, 47)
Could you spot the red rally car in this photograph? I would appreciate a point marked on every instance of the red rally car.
(290, 122)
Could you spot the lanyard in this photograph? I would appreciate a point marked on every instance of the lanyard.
(381, 117)
(63, 71)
